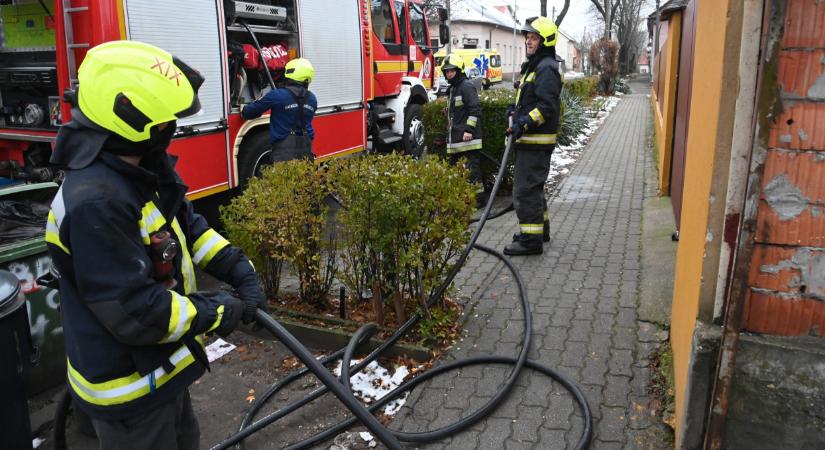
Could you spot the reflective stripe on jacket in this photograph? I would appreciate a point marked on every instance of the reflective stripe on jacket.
(131, 343)
(537, 104)
(464, 115)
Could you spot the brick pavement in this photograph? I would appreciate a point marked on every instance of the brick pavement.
(583, 291)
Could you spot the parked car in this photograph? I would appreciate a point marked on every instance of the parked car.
(473, 74)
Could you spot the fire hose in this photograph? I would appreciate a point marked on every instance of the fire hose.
(341, 388)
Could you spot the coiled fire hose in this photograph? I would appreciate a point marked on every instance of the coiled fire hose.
(341, 388)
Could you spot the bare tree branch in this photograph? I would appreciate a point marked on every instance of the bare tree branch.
(563, 13)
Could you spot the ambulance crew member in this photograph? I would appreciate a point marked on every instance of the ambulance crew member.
(535, 123)
(463, 122)
(291, 109)
(124, 241)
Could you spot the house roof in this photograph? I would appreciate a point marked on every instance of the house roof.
(669, 7)
(477, 11)
(482, 12)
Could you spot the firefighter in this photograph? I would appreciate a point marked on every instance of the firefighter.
(125, 242)
(535, 123)
(463, 122)
(291, 109)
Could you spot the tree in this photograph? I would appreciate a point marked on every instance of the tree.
(631, 39)
(607, 13)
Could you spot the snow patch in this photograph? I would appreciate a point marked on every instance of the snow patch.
(374, 382)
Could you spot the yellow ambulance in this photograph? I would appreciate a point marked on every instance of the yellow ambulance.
(487, 61)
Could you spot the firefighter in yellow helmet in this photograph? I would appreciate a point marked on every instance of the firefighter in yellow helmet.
(463, 122)
(125, 242)
(535, 124)
(291, 110)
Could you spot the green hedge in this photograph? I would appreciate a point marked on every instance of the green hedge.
(583, 88)
(494, 104)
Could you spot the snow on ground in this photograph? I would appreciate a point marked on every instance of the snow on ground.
(565, 156)
(374, 382)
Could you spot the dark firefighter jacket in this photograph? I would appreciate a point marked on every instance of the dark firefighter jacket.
(464, 115)
(132, 344)
(283, 116)
(537, 104)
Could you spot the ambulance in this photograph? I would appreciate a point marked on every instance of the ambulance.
(487, 61)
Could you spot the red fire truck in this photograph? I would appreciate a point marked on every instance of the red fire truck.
(373, 67)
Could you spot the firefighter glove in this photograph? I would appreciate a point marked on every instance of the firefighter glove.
(233, 310)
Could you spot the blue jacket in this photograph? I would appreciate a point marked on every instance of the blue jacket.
(283, 106)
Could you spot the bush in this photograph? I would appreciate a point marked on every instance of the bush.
(583, 88)
(404, 223)
(603, 60)
(281, 217)
(494, 104)
(573, 118)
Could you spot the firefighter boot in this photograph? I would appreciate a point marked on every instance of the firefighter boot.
(545, 233)
(525, 245)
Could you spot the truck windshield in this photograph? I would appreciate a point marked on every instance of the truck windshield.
(417, 25)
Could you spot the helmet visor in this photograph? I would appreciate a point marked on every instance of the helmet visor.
(195, 80)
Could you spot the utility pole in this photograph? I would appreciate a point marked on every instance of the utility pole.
(447, 23)
(515, 21)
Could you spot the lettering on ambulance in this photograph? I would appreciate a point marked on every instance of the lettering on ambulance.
(28, 283)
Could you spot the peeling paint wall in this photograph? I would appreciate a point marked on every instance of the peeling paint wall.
(786, 294)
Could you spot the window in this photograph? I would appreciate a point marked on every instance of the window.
(417, 26)
(495, 60)
(402, 24)
(382, 24)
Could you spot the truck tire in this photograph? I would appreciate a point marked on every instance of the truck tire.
(485, 84)
(414, 131)
(252, 157)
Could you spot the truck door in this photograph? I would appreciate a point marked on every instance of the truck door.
(420, 55)
(189, 30)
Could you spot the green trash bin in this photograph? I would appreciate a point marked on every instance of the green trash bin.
(27, 258)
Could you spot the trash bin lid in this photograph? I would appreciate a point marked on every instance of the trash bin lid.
(10, 297)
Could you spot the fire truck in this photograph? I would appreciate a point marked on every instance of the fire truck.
(373, 66)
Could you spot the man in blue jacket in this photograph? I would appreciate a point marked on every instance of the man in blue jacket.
(291, 110)
(125, 241)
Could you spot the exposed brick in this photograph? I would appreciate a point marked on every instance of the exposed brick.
(783, 316)
(805, 171)
(791, 270)
(799, 70)
(807, 228)
(804, 24)
(801, 116)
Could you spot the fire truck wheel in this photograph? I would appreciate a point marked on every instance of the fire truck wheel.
(254, 154)
(413, 131)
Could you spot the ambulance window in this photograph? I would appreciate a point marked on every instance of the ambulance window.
(495, 61)
(402, 24)
(382, 24)
(417, 26)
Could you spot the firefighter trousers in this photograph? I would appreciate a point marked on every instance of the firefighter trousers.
(532, 166)
(292, 147)
(472, 161)
(170, 426)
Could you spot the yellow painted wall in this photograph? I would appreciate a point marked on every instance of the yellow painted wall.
(701, 144)
(665, 113)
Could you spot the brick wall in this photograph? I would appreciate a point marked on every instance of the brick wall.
(786, 293)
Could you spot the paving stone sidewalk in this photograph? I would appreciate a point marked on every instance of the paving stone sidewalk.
(583, 291)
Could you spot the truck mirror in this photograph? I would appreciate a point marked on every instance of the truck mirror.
(443, 33)
(442, 14)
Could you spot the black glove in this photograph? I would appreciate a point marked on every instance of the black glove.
(233, 309)
(248, 290)
(207, 304)
(516, 132)
(510, 110)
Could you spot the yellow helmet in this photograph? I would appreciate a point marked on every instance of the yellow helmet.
(453, 62)
(300, 70)
(127, 87)
(545, 28)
